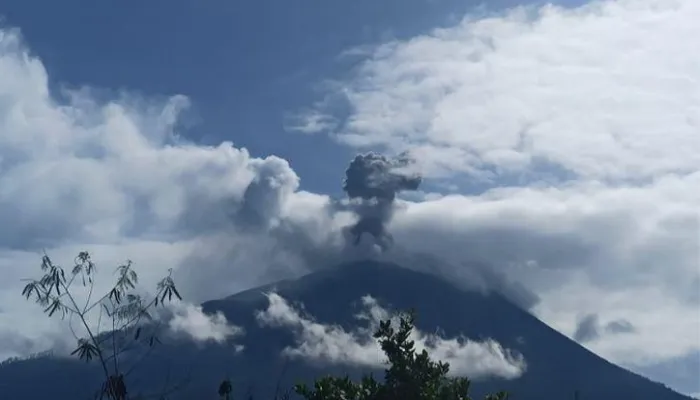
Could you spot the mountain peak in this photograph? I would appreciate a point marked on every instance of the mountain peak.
(331, 299)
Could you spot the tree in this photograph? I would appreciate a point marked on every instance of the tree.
(410, 375)
(126, 312)
(225, 389)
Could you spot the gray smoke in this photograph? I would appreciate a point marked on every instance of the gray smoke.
(589, 328)
(246, 235)
(620, 326)
(372, 182)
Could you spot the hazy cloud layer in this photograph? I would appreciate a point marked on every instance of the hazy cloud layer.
(331, 344)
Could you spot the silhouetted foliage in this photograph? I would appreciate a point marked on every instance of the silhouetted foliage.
(225, 389)
(124, 308)
(410, 375)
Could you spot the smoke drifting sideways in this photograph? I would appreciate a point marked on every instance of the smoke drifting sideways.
(372, 182)
(259, 228)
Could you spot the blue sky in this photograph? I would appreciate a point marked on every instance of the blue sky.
(604, 95)
(245, 65)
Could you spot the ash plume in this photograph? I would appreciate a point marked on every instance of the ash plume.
(372, 182)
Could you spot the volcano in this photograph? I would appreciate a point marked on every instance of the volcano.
(557, 367)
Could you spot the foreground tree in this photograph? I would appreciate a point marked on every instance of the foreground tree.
(121, 306)
(410, 375)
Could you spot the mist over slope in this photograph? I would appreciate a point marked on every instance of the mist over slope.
(316, 324)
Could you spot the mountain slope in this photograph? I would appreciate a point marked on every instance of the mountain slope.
(556, 365)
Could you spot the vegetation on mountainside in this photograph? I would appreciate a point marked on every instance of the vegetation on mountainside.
(111, 326)
(410, 375)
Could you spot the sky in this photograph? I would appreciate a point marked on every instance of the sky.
(559, 144)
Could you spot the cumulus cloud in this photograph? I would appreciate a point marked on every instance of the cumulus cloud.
(572, 135)
(332, 344)
(190, 320)
(114, 177)
(512, 93)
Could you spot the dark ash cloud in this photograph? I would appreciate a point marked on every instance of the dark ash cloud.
(589, 328)
(620, 326)
(372, 182)
(375, 176)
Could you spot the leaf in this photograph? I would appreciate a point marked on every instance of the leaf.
(137, 334)
(115, 295)
(85, 350)
(45, 263)
(29, 288)
(52, 307)
(83, 256)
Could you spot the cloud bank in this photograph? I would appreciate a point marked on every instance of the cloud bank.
(570, 140)
(605, 92)
(114, 178)
(331, 344)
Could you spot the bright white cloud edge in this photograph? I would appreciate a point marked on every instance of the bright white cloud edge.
(332, 344)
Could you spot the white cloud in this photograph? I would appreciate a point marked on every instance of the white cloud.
(311, 121)
(114, 178)
(629, 253)
(586, 123)
(318, 342)
(665, 328)
(605, 91)
(193, 322)
(332, 344)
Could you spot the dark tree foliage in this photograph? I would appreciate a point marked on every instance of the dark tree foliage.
(123, 309)
(225, 389)
(410, 375)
